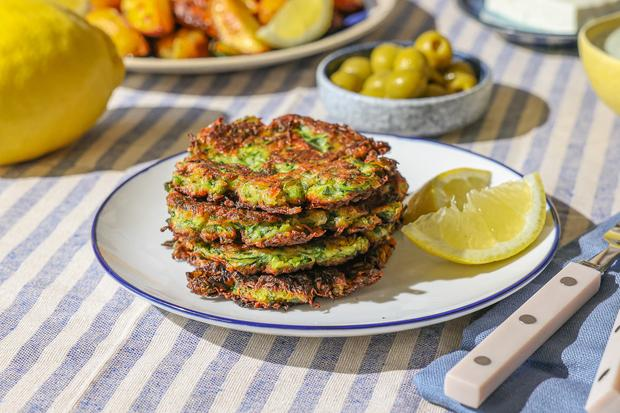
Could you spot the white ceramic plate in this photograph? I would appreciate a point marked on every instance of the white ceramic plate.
(516, 32)
(377, 12)
(417, 289)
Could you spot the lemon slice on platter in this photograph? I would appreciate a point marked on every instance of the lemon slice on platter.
(493, 223)
(442, 189)
(298, 22)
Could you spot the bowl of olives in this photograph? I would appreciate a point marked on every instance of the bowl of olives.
(420, 88)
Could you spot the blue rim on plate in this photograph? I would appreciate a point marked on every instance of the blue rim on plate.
(232, 322)
(354, 18)
(514, 33)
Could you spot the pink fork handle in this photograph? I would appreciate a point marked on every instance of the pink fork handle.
(477, 375)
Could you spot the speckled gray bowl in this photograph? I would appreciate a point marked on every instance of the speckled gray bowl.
(430, 116)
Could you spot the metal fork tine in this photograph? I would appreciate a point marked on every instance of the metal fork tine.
(605, 258)
(613, 236)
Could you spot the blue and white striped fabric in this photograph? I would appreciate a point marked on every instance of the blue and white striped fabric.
(72, 339)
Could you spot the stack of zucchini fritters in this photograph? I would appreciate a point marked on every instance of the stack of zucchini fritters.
(279, 214)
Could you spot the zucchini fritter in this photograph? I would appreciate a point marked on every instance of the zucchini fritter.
(289, 138)
(215, 223)
(293, 162)
(268, 291)
(327, 251)
(277, 214)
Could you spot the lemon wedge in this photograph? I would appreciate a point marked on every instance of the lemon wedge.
(445, 187)
(298, 22)
(493, 223)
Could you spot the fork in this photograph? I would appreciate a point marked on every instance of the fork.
(481, 371)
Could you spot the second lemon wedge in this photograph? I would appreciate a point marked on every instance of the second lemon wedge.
(492, 224)
(298, 22)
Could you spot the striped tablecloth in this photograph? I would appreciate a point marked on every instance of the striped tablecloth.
(71, 338)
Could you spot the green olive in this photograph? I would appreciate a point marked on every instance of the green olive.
(382, 57)
(375, 85)
(436, 48)
(410, 58)
(433, 89)
(458, 66)
(461, 81)
(436, 77)
(357, 65)
(346, 81)
(461, 66)
(405, 84)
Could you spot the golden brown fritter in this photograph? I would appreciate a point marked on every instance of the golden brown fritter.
(293, 162)
(214, 223)
(289, 138)
(325, 251)
(303, 287)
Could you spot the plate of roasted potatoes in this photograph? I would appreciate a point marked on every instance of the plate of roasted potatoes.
(213, 36)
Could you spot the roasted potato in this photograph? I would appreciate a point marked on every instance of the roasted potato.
(267, 9)
(195, 14)
(179, 29)
(236, 26)
(150, 17)
(128, 41)
(104, 4)
(220, 49)
(183, 44)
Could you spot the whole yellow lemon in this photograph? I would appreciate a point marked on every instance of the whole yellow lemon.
(57, 73)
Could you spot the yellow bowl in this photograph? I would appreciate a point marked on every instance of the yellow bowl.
(602, 68)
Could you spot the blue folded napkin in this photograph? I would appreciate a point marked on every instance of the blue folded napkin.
(557, 377)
